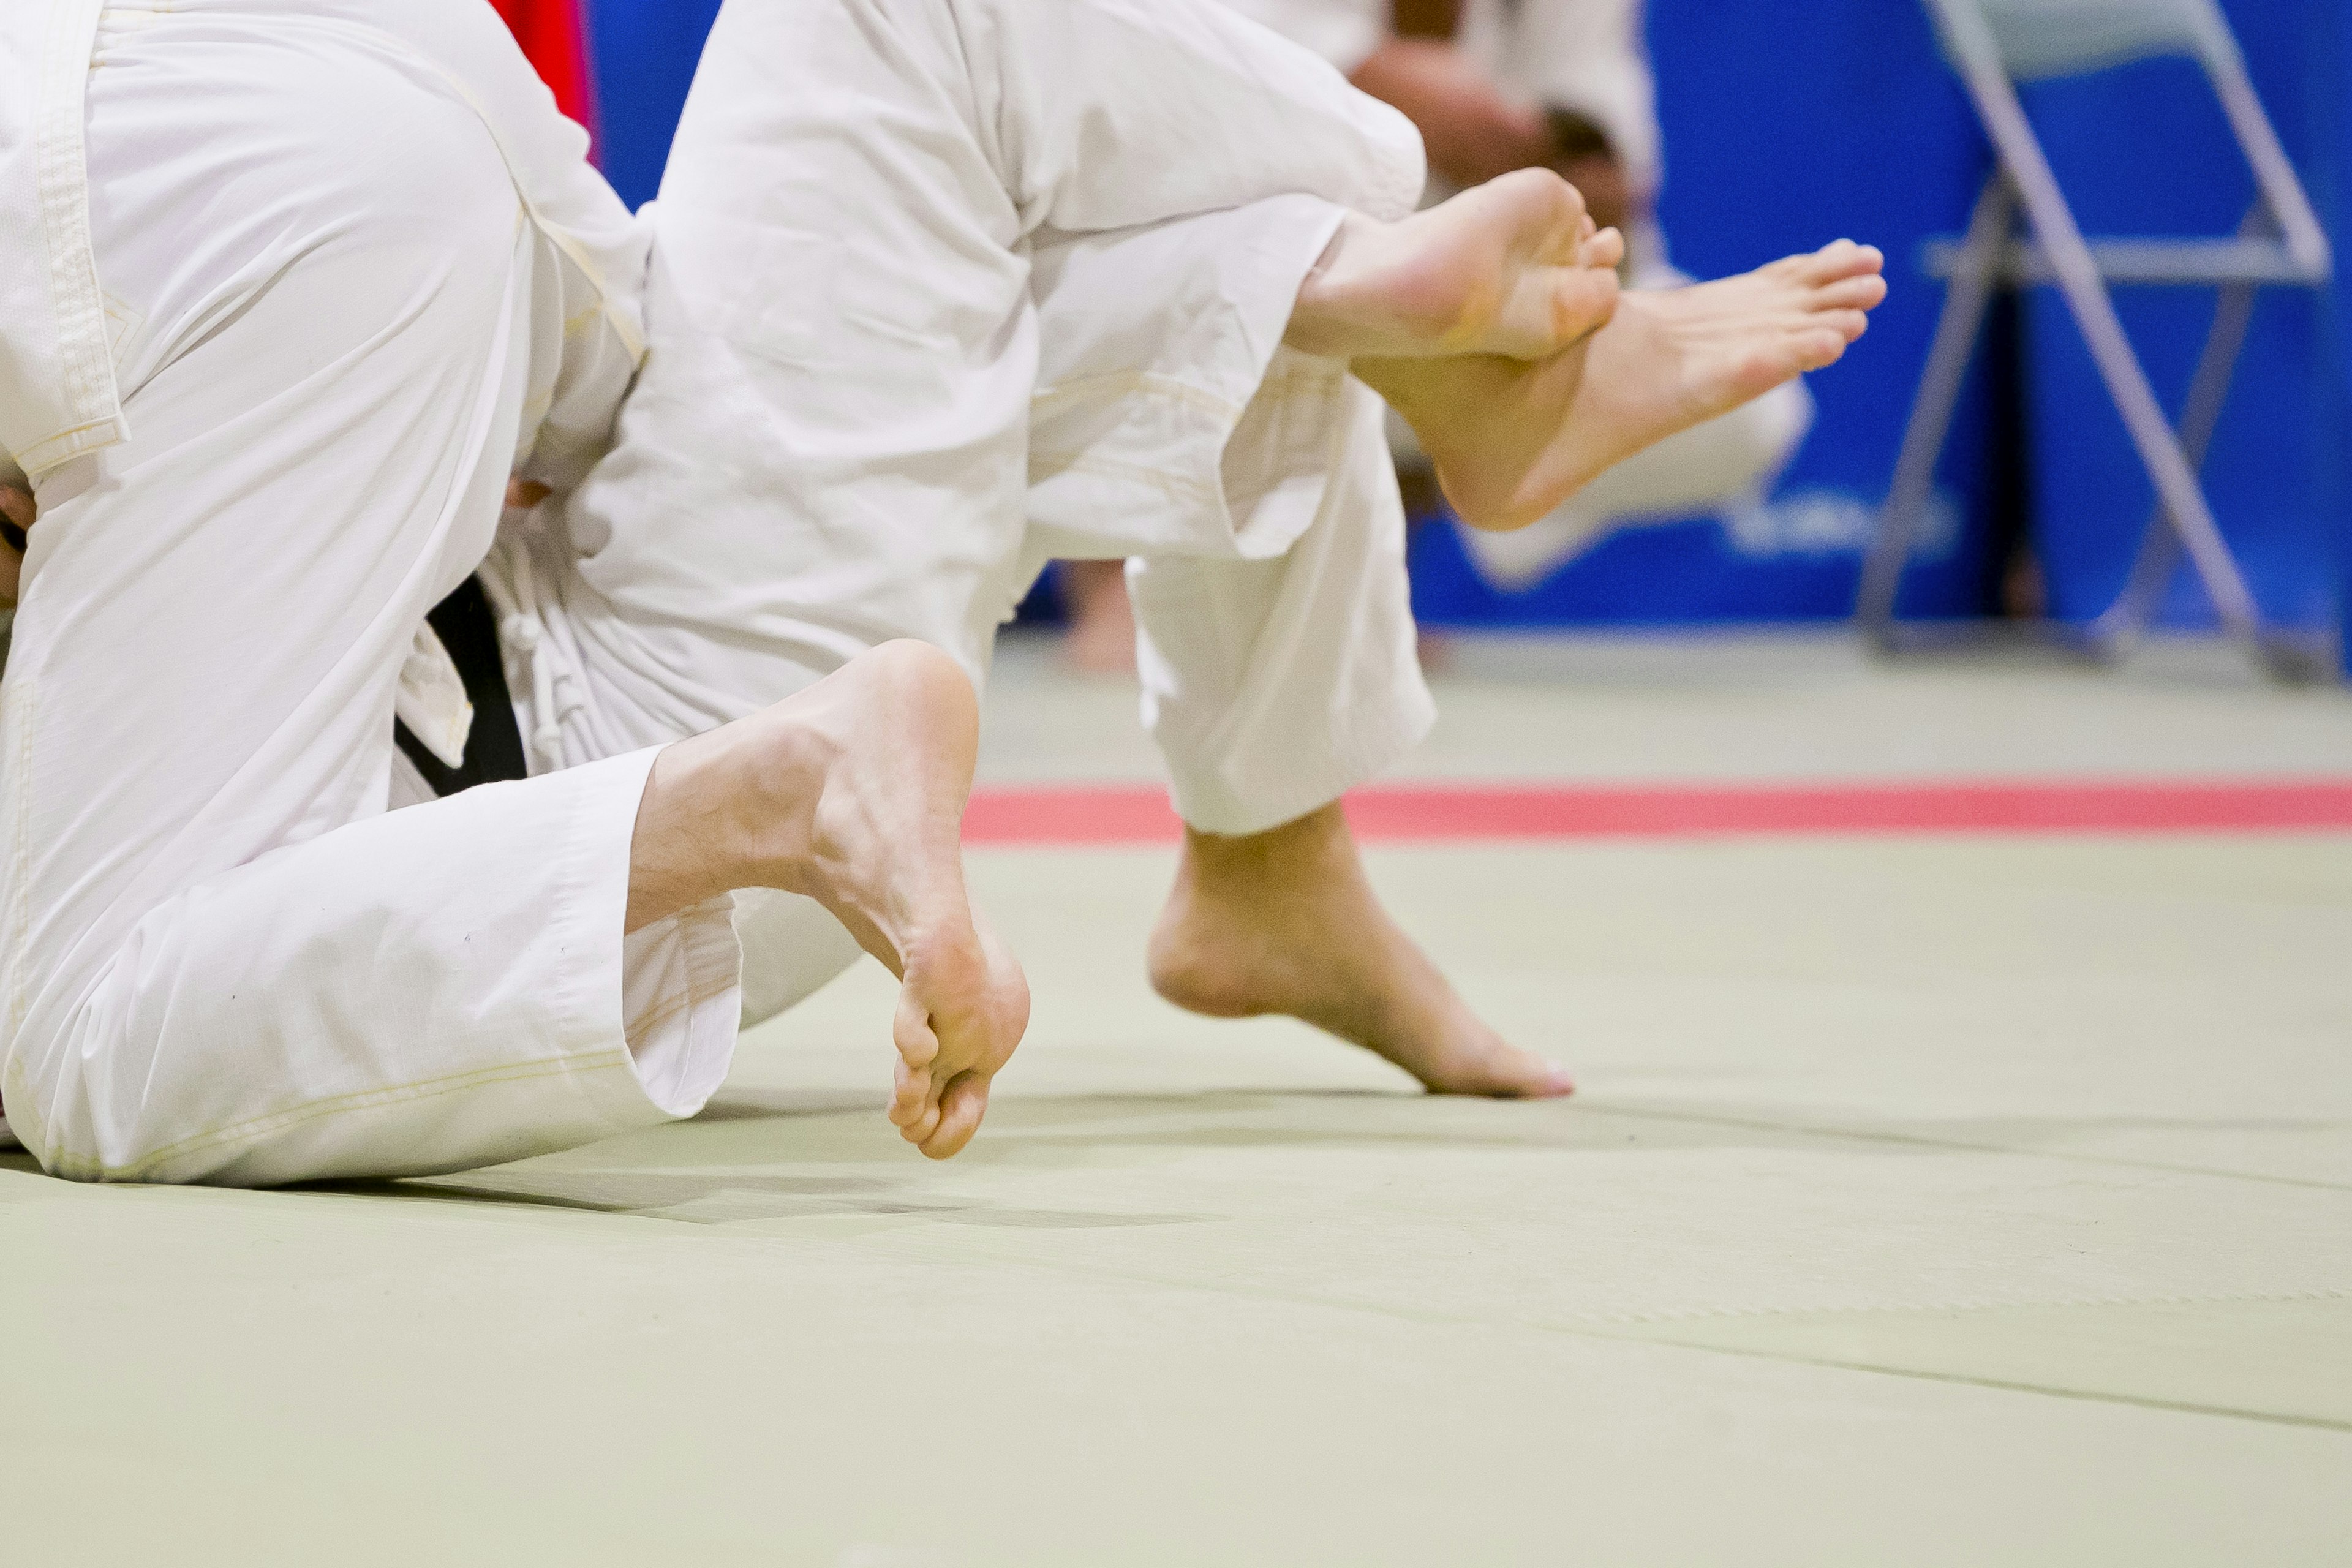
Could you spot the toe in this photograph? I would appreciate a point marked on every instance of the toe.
(1582, 301)
(924, 1129)
(961, 1110)
(1839, 261)
(910, 1096)
(1848, 324)
(1605, 249)
(1819, 349)
(1865, 292)
(1554, 1084)
(911, 1032)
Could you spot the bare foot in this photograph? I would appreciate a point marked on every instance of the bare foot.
(1511, 441)
(1513, 266)
(853, 793)
(1284, 922)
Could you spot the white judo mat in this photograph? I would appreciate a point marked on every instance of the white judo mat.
(1929, 1200)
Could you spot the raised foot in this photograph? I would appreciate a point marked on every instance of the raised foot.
(1284, 923)
(853, 793)
(1513, 266)
(886, 845)
(1511, 441)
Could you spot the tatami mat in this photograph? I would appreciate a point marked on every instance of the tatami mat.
(1929, 1201)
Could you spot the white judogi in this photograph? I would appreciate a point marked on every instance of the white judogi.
(977, 292)
(1588, 56)
(322, 274)
(328, 345)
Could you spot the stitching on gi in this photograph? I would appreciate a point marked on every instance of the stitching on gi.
(16, 720)
(61, 187)
(670, 1007)
(1132, 383)
(361, 1100)
(90, 436)
(1280, 389)
(1044, 466)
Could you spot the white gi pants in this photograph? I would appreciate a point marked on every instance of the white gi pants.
(223, 961)
(943, 289)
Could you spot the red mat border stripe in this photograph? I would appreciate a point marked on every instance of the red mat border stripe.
(1123, 814)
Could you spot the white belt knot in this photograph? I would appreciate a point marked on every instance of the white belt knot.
(522, 632)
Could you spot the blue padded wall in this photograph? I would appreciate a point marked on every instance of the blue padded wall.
(645, 52)
(1788, 126)
(2276, 475)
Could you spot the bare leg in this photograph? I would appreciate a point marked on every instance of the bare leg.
(853, 793)
(1512, 439)
(1102, 638)
(1492, 324)
(1286, 922)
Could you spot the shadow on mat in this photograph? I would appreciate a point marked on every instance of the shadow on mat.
(727, 1197)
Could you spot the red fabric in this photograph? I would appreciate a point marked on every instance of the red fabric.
(1122, 813)
(552, 36)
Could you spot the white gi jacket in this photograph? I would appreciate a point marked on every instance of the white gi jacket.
(58, 397)
(60, 332)
(57, 335)
(346, 266)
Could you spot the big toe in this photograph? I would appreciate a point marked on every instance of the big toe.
(1514, 1074)
(1539, 1080)
(1583, 300)
(961, 1110)
(1605, 249)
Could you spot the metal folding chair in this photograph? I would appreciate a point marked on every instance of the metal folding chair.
(1994, 45)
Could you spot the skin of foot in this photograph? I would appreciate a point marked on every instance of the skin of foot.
(1286, 922)
(1512, 439)
(853, 793)
(1513, 267)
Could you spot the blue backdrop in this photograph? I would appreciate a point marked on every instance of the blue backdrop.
(2277, 472)
(1787, 125)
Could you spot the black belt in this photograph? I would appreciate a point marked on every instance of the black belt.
(468, 627)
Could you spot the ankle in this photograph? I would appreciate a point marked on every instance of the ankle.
(736, 808)
(1326, 318)
(1304, 849)
(675, 862)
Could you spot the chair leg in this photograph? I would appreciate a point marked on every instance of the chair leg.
(2117, 631)
(1969, 292)
(2282, 193)
(2176, 486)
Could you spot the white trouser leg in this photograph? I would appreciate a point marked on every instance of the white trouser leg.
(830, 443)
(1253, 494)
(871, 328)
(221, 960)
